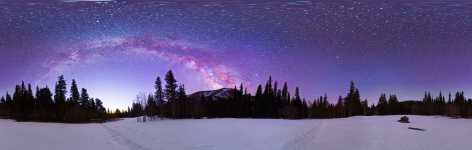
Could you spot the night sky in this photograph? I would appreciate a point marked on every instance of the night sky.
(116, 49)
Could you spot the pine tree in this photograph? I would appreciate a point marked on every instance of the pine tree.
(353, 101)
(19, 102)
(275, 89)
(365, 107)
(60, 98)
(298, 105)
(3, 106)
(170, 92)
(92, 105)
(258, 104)
(159, 96)
(382, 105)
(74, 93)
(427, 104)
(9, 104)
(36, 102)
(303, 110)
(268, 87)
(285, 92)
(182, 102)
(84, 99)
(46, 104)
(340, 112)
(460, 104)
(151, 106)
(100, 109)
(29, 103)
(297, 93)
(440, 104)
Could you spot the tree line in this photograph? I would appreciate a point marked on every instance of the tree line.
(171, 101)
(43, 105)
(272, 101)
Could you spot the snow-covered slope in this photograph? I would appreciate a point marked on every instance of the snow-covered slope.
(355, 133)
(224, 93)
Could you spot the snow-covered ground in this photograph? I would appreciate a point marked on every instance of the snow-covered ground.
(355, 133)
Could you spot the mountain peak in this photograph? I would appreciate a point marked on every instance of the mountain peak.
(223, 93)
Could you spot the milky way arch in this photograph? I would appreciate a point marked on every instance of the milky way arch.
(192, 56)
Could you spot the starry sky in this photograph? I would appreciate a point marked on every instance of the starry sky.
(117, 48)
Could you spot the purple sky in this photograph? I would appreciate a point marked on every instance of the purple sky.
(116, 49)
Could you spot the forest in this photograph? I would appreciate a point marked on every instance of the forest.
(44, 106)
(172, 101)
(270, 101)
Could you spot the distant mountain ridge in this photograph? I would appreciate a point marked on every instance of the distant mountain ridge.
(223, 93)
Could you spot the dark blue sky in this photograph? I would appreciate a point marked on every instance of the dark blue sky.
(117, 48)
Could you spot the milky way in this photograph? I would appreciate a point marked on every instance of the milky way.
(116, 48)
(214, 74)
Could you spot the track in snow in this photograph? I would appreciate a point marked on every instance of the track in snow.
(306, 139)
(123, 140)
